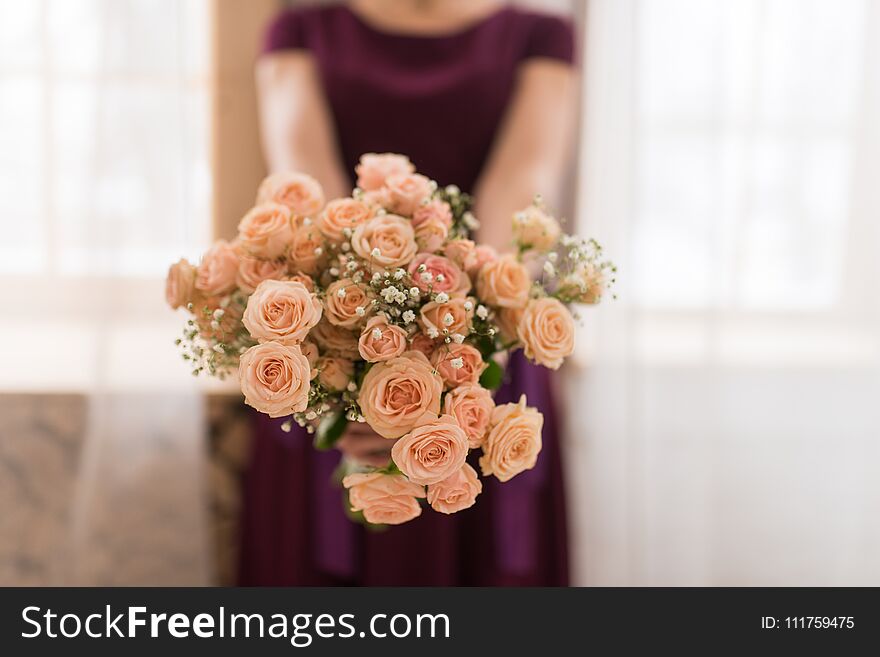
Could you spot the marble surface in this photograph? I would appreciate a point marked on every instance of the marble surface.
(120, 489)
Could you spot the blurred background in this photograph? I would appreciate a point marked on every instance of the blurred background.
(723, 414)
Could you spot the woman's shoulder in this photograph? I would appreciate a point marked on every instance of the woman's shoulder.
(295, 28)
(544, 34)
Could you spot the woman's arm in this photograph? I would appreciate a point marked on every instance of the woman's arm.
(531, 151)
(295, 123)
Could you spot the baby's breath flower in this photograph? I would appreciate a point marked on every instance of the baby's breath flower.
(377, 277)
(408, 316)
(457, 363)
(398, 274)
(482, 311)
(448, 319)
(361, 311)
(219, 348)
(218, 314)
(352, 386)
(286, 426)
(376, 252)
(414, 292)
(307, 221)
(318, 250)
(440, 278)
(421, 268)
(341, 293)
(469, 305)
(334, 271)
(377, 334)
(470, 221)
(549, 268)
(442, 297)
(346, 246)
(433, 333)
(311, 415)
(426, 277)
(553, 256)
(458, 338)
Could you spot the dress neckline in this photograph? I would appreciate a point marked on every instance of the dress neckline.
(463, 31)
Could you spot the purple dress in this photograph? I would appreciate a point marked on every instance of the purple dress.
(439, 100)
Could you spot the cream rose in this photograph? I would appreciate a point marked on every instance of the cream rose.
(504, 282)
(180, 284)
(458, 364)
(302, 194)
(266, 230)
(275, 378)
(452, 315)
(342, 301)
(546, 330)
(445, 276)
(433, 210)
(253, 271)
(335, 373)
(386, 241)
(432, 451)
(335, 340)
(430, 235)
(514, 441)
(282, 311)
(306, 253)
(218, 269)
(399, 394)
(407, 191)
(375, 168)
(384, 499)
(342, 215)
(457, 492)
(471, 405)
(381, 340)
(535, 229)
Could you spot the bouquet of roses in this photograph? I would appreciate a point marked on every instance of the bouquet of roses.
(378, 308)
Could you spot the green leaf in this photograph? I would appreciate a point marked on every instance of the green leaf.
(492, 376)
(330, 430)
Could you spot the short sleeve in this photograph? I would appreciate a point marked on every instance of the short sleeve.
(551, 36)
(285, 32)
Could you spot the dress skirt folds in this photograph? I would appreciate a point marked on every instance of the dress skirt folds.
(439, 100)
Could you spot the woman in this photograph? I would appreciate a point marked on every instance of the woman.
(477, 94)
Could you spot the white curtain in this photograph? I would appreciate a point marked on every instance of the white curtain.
(104, 180)
(728, 404)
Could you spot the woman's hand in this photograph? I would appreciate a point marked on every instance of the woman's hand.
(363, 445)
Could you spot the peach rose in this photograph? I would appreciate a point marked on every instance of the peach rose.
(282, 311)
(407, 191)
(504, 282)
(375, 168)
(421, 342)
(457, 492)
(445, 275)
(432, 451)
(431, 234)
(462, 252)
(507, 321)
(275, 378)
(266, 230)
(218, 269)
(384, 499)
(381, 340)
(514, 441)
(377, 198)
(306, 252)
(299, 192)
(335, 340)
(310, 351)
(253, 271)
(343, 214)
(386, 241)
(433, 210)
(483, 255)
(547, 332)
(399, 394)
(458, 364)
(471, 405)
(335, 373)
(535, 229)
(452, 315)
(180, 284)
(305, 279)
(342, 301)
